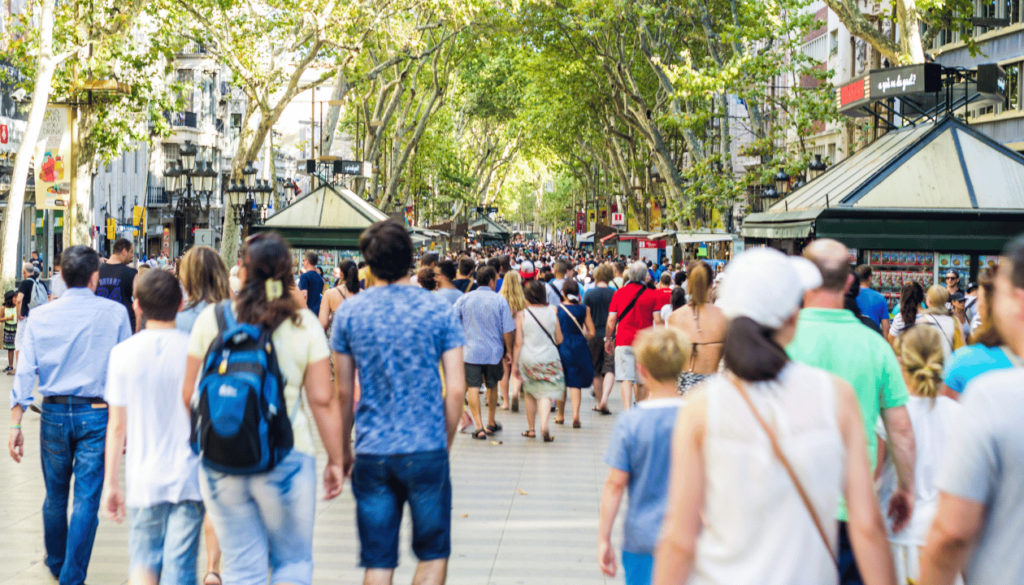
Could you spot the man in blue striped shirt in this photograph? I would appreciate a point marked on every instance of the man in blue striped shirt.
(66, 347)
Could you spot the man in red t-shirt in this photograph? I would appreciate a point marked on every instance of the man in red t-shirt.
(643, 313)
(664, 289)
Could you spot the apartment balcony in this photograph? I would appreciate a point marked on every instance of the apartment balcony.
(182, 119)
(194, 49)
(157, 197)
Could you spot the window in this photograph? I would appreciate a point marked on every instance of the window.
(1012, 11)
(172, 152)
(833, 42)
(236, 120)
(124, 163)
(136, 161)
(186, 77)
(1012, 87)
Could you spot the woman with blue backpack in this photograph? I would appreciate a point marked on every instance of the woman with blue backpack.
(258, 374)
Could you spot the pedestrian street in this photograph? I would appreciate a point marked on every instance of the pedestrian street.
(524, 513)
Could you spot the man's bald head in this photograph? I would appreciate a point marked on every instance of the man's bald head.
(832, 260)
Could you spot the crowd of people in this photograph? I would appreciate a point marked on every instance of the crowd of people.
(757, 407)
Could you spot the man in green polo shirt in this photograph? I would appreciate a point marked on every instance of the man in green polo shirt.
(831, 338)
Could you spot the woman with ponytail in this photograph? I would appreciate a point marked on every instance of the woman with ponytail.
(764, 448)
(920, 353)
(703, 324)
(265, 520)
(348, 286)
(911, 301)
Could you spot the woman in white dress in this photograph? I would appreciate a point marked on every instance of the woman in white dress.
(536, 355)
(762, 452)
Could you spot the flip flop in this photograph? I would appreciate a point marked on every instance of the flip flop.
(576, 424)
(530, 434)
(559, 422)
(206, 579)
(548, 438)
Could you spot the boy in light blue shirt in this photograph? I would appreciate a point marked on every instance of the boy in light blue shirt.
(639, 455)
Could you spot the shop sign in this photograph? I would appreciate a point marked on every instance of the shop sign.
(618, 219)
(900, 81)
(167, 241)
(53, 159)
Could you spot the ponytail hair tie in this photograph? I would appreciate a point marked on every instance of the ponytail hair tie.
(573, 298)
(274, 289)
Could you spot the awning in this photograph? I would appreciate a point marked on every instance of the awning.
(778, 231)
(608, 237)
(696, 238)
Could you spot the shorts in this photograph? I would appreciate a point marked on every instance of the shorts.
(163, 542)
(479, 375)
(625, 364)
(381, 485)
(20, 335)
(637, 567)
(597, 354)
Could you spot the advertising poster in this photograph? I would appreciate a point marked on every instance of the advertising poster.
(53, 159)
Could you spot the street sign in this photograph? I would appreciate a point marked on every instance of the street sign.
(204, 237)
(137, 215)
(618, 219)
(355, 168)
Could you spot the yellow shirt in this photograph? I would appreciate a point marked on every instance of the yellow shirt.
(297, 346)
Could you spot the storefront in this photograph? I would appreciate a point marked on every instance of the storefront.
(914, 204)
(626, 244)
(328, 221)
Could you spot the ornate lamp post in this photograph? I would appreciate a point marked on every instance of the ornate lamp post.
(191, 181)
(249, 199)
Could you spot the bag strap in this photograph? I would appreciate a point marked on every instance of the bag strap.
(542, 327)
(567, 312)
(941, 331)
(557, 292)
(789, 469)
(629, 307)
(1012, 356)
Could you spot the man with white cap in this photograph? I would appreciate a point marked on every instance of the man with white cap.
(831, 338)
(763, 451)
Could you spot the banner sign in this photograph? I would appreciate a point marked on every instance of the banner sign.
(53, 159)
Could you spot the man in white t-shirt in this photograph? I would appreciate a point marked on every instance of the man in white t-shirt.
(144, 381)
(979, 521)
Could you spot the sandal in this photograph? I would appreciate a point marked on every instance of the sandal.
(491, 429)
(515, 404)
(480, 434)
(548, 438)
(576, 424)
(206, 579)
(530, 434)
(559, 421)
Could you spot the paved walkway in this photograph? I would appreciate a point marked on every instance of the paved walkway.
(524, 512)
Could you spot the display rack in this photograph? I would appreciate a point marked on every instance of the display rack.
(891, 269)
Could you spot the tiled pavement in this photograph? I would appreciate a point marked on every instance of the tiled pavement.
(524, 512)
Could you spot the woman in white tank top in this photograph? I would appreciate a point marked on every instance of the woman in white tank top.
(735, 515)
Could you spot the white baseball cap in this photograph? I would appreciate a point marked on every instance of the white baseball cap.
(766, 286)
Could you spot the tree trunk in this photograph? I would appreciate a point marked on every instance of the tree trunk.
(910, 30)
(78, 220)
(341, 88)
(250, 141)
(46, 64)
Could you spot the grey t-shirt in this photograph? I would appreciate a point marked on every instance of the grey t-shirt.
(984, 459)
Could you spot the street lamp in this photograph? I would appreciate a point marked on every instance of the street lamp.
(188, 156)
(249, 176)
(782, 182)
(190, 180)
(249, 198)
(289, 190)
(817, 167)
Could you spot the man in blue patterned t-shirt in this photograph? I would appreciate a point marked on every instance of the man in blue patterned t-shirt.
(396, 335)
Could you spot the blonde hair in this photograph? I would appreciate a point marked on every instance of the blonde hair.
(512, 290)
(919, 350)
(603, 273)
(662, 352)
(204, 276)
(698, 281)
(938, 296)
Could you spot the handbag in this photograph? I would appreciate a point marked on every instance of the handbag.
(789, 469)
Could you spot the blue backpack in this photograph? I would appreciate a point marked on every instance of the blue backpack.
(240, 422)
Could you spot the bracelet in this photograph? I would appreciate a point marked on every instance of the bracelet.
(16, 427)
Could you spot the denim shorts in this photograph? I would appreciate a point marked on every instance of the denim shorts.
(264, 522)
(381, 485)
(163, 542)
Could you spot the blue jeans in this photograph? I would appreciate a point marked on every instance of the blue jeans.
(164, 542)
(264, 522)
(381, 484)
(72, 439)
(637, 567)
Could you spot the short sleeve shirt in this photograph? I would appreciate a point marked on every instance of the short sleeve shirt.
(983, 459)
(117, 284)
(640, 317)
(297, 346)
(313, 284)
(967, 363)
(486, 317)
(873, 305)
(25, 288)
(397, 334)
(641, 445)
(837, 342)
(598, 299)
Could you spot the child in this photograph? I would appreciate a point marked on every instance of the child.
(144, 385)
(639, 456)
(919, 350)
(10, 329)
